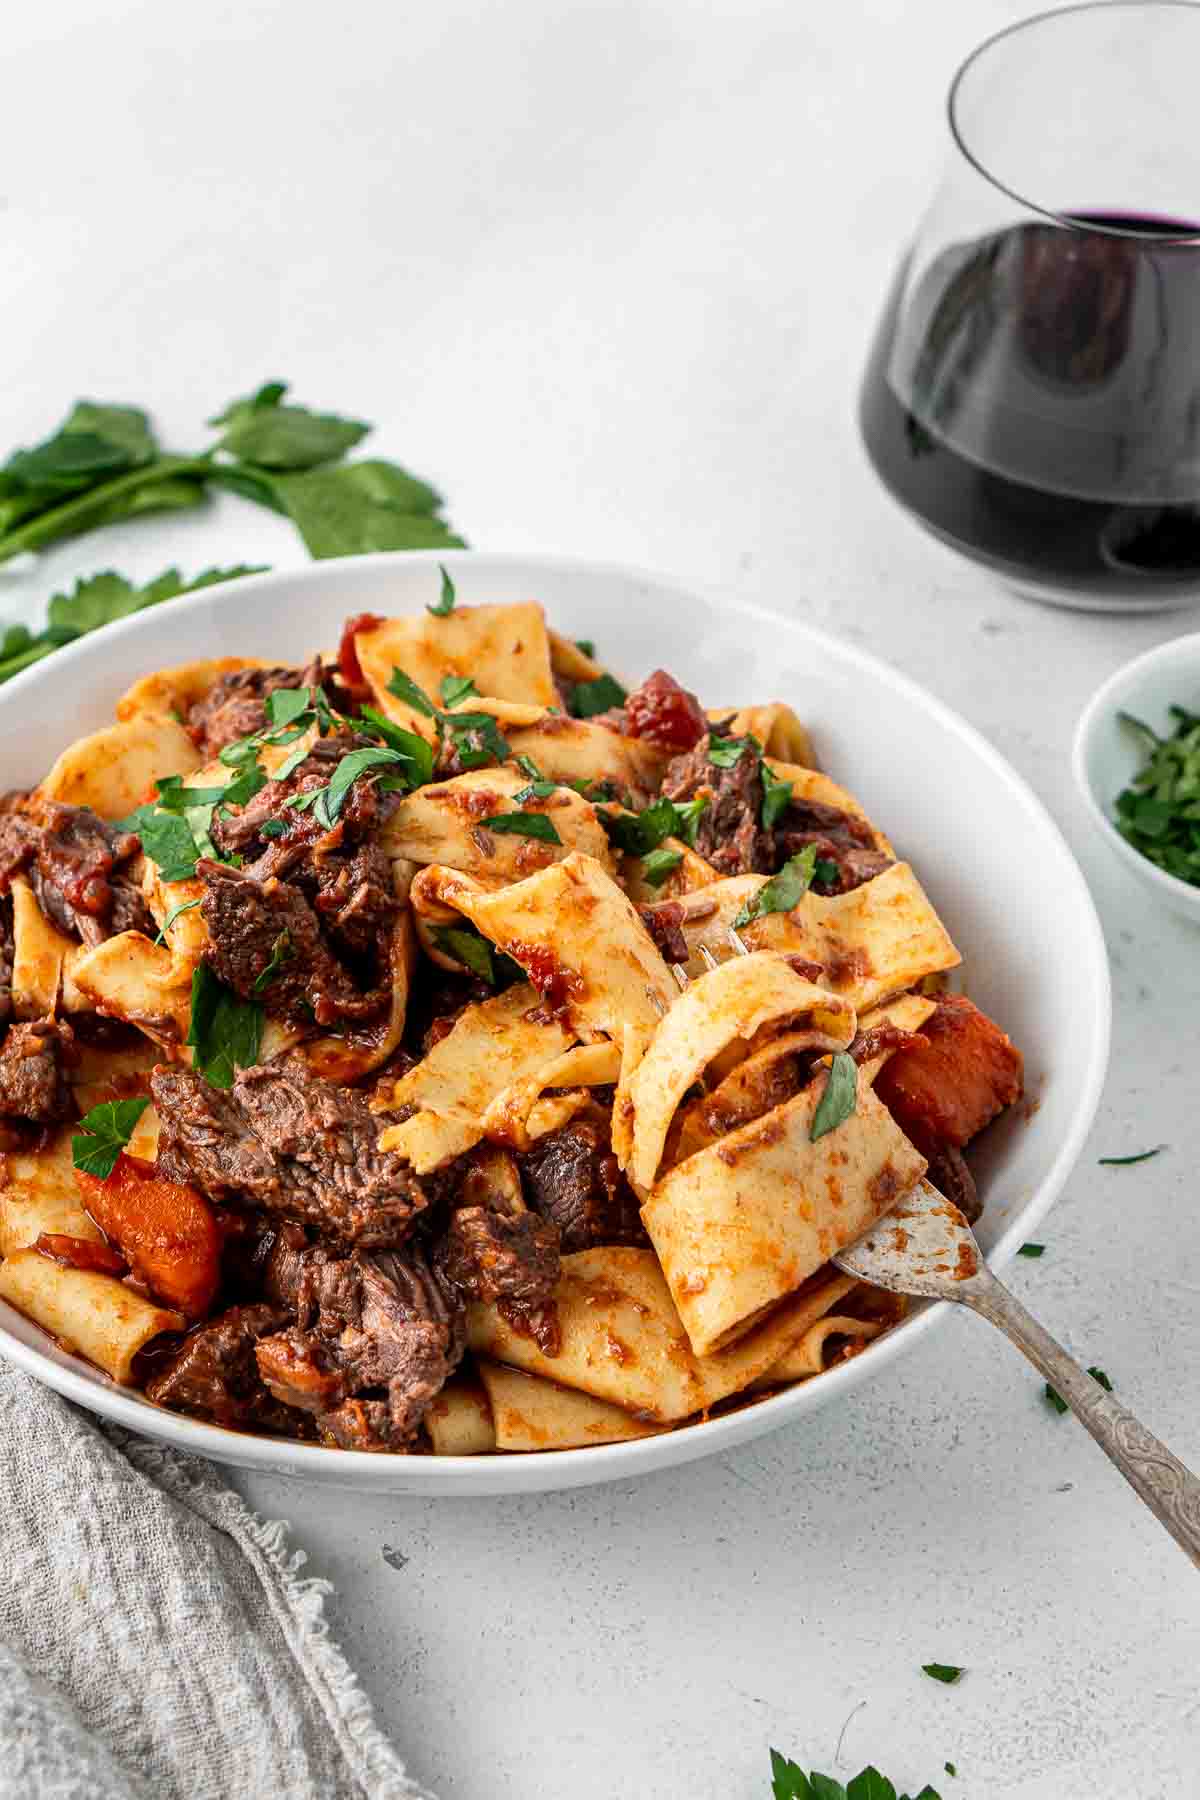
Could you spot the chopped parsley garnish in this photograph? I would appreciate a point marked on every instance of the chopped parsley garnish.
(447, 599)
(225, 1033)
(1122, 1162)
(325, 803)
(1102, 1378)
(826, 872)
(272, 828)
(285, 705)
(1032, 1250)
(477, 739)
(946, 1672)
(167, 840)
(658, 865)
(468, 948)
(456, 688)
(406, 689)
(950, 1768)
(789, 1782)
(523, 824)
(639, 833)
(783, 891)
(537, 790)
(776, 797)
(724, 752)
(104, 1133)
(592, 697)
(184, 906)
(281, 952)
(587, 646)
(840, 1097)
(1159, 812)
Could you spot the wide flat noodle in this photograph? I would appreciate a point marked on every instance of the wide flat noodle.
(531, 1414)
(518, 1114)
(574, 933)
(459, 1420)
(129, 978)
(691, 872)
(350, 1054)
(40, 954)
(622, 1340)
(490, 1047)
(39, 1193)
(908, 1013)
(577, 750)
(725, 1006)
(808, 1356)
(872, 943)
(176, 690)
(114, 770)
(504, 650)
(744, 1222)
(443, 823)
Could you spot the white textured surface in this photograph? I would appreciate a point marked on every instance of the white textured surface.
(609, 272)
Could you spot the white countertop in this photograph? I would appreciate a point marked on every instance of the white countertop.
(608, 274)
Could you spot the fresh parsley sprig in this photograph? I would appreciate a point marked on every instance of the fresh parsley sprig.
(104, 1133)
(789, 1782)
(225, 1033)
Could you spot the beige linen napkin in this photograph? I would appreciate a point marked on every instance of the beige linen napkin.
(156, 1639)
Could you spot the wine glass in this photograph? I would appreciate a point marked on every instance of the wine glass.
(1033, 394)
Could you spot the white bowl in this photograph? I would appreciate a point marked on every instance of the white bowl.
(1034, 953)
(1106, 754)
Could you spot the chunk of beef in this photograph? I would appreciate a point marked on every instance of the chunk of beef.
(950, 1175)
(355, 896)
(664, 921)
(6, 961)
(374, 1341)
(438, 998)
(72, 860)
(290, 1144)
(213, 1374)
(33, 1079)
(251, 923)
(729, 833)
(235, 705)
(571, 1176)
(239, 829)
(839, 838)
(490, 1255)
(962, 1072)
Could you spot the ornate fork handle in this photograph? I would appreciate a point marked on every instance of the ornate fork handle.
(1169, 1488)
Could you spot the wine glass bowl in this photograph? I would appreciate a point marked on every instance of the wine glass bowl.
(1033, 394)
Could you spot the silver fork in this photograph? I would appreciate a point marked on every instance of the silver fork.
(925, 1247)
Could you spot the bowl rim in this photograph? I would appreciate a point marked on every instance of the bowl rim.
(1096, 713)
(559, 1469)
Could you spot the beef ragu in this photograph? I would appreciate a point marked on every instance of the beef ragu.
(355, 1095)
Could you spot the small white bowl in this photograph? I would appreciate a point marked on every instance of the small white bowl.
(1107, 756)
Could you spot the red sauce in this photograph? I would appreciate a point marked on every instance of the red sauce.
(348, 661)
(557, 984)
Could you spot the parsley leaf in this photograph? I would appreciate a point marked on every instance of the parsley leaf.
(445, 602)
(346, 508)
(409, 744)
(184, 906)
(783, 891)
(776, 798)
(281, 952)
(1121, 1162)
(826, 873)
(327, 802)
(104, 1133)
(591, 697)
(1055, 1399)
(724, 752)
(1102, 1378)
(273, 436)
(286, 705)
(587, 646)
(946, 1672)
(225, 1033)
(269, 394)
(658, 865)
(468, 948)
(870, 1785)
(524, 824)
(166, 839)
(456, 688)
(1032, 1250)
(537, 790)
(1159, 812)
(840, 1098)
(406, 689)
(639, 833)
(476, 738)
(788, 1781)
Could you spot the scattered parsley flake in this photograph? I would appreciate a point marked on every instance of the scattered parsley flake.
(840, 1098)
(945, 1672)
(1121, 1162)
(592, 697)
(587, 646)
(104, 1133)
(405, 688)
(447, 599)
(1031, 1250)
(457, 687)
(184, 906)
(658, 865)
(523, 824)
(281, 952)
(783, 891)
(776, 798)
(468, 948)
(724, 752)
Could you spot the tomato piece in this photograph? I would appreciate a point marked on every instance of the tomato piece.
(665, 713)
(166, 1230)
(348, 661)
(953, 1081)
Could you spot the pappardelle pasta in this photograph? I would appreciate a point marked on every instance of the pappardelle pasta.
(437, 1049)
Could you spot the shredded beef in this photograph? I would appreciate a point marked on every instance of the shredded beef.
(374, 1340)
(72, 860)
(729, 834)
(837, 837)
(6, 961)
(664, 922)
(950, 1175)
(235, 705)
(490, 1255)
(33, 1079)
(571, 1176)
(250, 921)
(214, 1375)
(284, 1141)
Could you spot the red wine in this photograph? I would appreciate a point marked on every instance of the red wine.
(1034, 398)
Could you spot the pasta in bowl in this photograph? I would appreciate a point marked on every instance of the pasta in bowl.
(384, 1074)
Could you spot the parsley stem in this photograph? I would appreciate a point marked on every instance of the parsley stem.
(76, 513)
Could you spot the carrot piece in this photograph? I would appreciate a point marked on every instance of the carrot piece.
(949, 1087)
(165, 1229)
